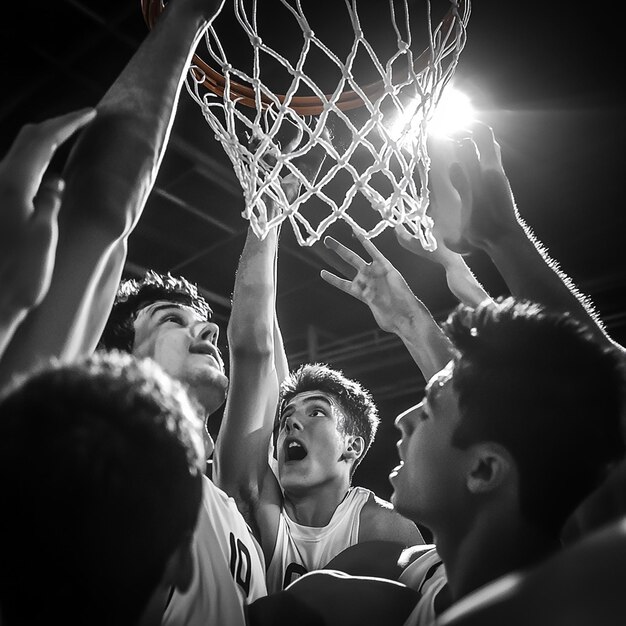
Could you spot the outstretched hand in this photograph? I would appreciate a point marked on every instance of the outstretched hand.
(29, 208)
(377, 283)
(489, 210)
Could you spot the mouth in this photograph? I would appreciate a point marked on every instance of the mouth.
(294, 451)
(396, 470)
(208, 349)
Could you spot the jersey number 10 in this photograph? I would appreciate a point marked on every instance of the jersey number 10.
(240, 563)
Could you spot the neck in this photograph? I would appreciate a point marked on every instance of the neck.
(315, 506)
(489, 549)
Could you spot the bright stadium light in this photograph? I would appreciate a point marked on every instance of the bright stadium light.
(454, 112)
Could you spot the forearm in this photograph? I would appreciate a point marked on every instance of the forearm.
(462, 282)
(424, 339)
(531, 274)
(118, 157)
(252, 318)
(242, 445)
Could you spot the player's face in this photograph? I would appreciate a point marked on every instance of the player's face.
(185, 346)
(310, 446)
(428, 485)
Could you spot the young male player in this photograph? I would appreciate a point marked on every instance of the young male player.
(501, 450)
(109, 175)
(509, 428)
(493, 461)
(165, 319)
(307, 512)
(101, 471)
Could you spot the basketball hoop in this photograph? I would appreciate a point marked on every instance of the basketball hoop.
(255, 119)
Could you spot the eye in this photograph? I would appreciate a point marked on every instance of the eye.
(318, 413)
(173, 317)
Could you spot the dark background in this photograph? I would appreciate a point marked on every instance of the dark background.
(546, 76)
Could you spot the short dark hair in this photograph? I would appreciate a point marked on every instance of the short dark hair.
(360, 412)
(538, 383)
(134, 295)
(101, 466)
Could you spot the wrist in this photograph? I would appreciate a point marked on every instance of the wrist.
(410, 322)
(505, 234)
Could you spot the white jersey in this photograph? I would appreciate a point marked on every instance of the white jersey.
(301, 549)
(229, 570)
(427, 574)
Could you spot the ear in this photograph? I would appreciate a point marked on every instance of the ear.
(355, 448)
(179, 568)
(492, 466)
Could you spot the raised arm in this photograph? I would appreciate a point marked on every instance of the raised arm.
(446, 210)
(109, 176)
(241, 465)
(394, 306)
(491, 222)
(29, 207)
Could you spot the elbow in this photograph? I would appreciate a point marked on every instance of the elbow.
(247, 337)
(258, 350)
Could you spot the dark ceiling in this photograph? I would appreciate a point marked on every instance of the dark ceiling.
(547, 77)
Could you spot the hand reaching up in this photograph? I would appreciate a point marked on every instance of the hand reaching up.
(377, 283)
(448, 213)
(29, 206)
(394, 306)
(488, 205)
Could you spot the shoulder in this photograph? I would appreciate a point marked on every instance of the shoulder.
(380, 522)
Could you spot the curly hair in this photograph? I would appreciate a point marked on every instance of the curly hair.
(358, 407)
(101, 465)
(134, 295)
(538, 383)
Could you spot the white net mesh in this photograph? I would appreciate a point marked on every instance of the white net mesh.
(376, 148)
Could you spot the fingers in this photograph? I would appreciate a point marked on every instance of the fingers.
(61, 128)
(461, 184)
(352, 258)
(487, 146)
(47, 202)
(335, 281)
(34, 147)
(39, 246)
(370, 248)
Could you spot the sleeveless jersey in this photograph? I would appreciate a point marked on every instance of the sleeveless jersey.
(229, 570)
(301, 549)
(427, 574)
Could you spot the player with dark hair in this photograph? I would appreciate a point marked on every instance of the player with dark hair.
(109, 175)
(101, 466)
(164, 318)
(133, 295)
(524, 422)
(360, 415)
(521, 425)
(301, 505)
(502, 449)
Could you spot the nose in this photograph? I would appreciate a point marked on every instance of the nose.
(292, 423)
(207, 331)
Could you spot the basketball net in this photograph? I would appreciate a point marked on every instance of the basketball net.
(382, 157)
